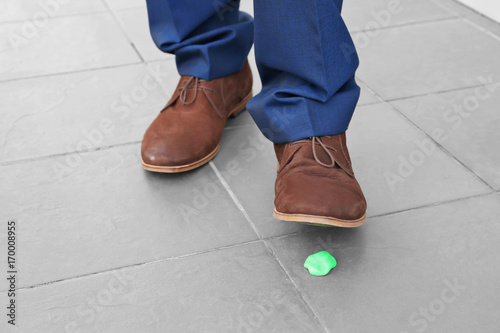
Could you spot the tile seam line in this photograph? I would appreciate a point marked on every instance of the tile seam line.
(109, 270)
(380, 99)
(56, 17)
(124, 9)
(446, 151)
(187, 255)
(448, 9)
(458, 3)
(86, 151)
(301, 295)
(437, 204)
(369, 103)
(377, 96)
(168, 57)
(431, 205)
(437, 92)
(109, 10)
(464, 18)
(298, 292)
(122, 29)
(481, 29)
(233, 197)
(85, 70)
(401, 25)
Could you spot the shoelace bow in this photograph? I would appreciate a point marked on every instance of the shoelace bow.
(326, 148)
(187, 86)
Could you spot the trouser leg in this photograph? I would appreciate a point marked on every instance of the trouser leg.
(210, 38)
(306, 61)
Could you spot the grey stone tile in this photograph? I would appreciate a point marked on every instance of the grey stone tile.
(85, 213)
(64, 44)
(239, 289)
(469, 122)
(481, 22)
(135, 23)
(455, 7)
(41, 11)
(170, 77)
(425, 58)
(367, 97)
(472, 16)
(489, 9)
(248, 164)
(242, 119)
(379, 140)
(485, 19)
(399, 167)
(79, 111)
(134, 20)
(432, 269)
(123, 4)
(375, 14)
(247, 6)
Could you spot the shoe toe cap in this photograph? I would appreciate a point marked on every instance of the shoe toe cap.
(174, 149)
(319, 196)
(167, 153)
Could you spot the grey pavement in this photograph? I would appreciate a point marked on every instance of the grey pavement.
(104, 246)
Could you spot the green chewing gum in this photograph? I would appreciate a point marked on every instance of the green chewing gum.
(320, 264)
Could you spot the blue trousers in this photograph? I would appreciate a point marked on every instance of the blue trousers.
(304, 53)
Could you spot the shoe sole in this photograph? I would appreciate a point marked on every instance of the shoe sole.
(187, 167)
(319, 220)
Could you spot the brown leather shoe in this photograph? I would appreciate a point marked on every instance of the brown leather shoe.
(187, 132)
(316, 183)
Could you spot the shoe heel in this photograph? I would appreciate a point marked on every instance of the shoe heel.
(237, 112)
(241, 107)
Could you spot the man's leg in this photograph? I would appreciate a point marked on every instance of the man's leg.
(211, 40)
(307, 61)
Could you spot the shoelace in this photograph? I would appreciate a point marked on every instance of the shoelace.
(187, 86)
(326, 148)
(314, 139)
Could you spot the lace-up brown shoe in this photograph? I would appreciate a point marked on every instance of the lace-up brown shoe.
(187, 132)
(316, 184)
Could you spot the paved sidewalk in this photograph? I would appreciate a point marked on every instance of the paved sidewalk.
(104, 246)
